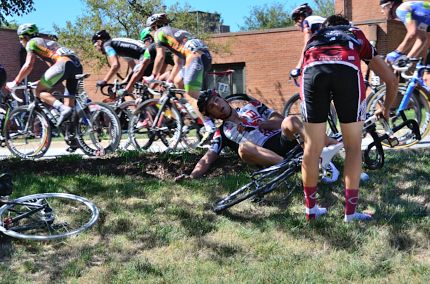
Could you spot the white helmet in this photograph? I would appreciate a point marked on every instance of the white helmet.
(195, 45)
(157, 19)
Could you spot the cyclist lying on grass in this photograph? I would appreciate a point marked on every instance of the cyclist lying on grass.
(260, 135)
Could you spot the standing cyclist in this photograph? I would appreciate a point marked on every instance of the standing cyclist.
(186, 50)
(415, 15)
(302, 17)
(63, 62)
(332, 70)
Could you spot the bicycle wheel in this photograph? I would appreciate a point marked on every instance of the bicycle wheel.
(260, 186)
(417, 109)
(192, 133)
(156, 135)
(47, 216)
(105, 134)
(238, 100)
(293, 108)
(28, 135)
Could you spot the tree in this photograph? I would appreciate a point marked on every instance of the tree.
(324, 8)
(267, 17)
(14, 7)
(121, 18)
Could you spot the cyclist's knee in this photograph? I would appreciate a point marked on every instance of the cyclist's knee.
(246, 149)
(291, 125)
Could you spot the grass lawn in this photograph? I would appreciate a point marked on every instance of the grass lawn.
(158, 231)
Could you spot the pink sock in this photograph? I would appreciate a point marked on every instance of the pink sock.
(351, 200)
(310, 198)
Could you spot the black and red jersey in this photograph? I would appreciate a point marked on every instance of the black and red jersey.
(338, 45)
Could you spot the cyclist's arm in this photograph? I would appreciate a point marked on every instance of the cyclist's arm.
(159, 59)
(204, 164)
(137, 75)
(176, 68)
(274, 122)
(27, 67)
(114, 67)
(412, 34)
(380, 68)
(307, 37)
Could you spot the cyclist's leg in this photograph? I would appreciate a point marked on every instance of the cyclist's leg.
(426, 76)
(257, 155)
(72, 69)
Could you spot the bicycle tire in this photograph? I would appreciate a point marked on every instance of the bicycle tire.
(238, 100)
(254, 188)
(418, 109)
(293, 108)
(26, 144)
(373, 155)
(168, 128)
(104, 136)
(70, 215)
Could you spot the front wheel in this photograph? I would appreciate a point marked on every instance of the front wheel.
(27, 133)
(47, 216)
(98, 131)
(155, 130)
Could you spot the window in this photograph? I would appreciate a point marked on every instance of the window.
(225, 82)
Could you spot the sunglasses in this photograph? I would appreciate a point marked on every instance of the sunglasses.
(21, 37)
(385, 5)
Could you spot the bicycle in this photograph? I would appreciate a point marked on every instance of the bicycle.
(266, 180)
(411, 102)
(169, 119)
(44, 216)
(8, 102)
(124, 108)
(94, 127)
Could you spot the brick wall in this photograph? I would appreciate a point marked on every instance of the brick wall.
(268, 55)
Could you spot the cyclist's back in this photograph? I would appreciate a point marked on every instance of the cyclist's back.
(49, 50)
(173, 39)
(415, 10)
(125, 47)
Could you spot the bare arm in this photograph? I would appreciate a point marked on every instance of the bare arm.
(159, 60)
(274, 122)
(114, 67)
(411, 36)
(137, 75)
(204, 164)
(175, 70)
(307, 36)
(27, 67)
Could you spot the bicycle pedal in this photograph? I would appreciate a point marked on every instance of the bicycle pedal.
(393, 141)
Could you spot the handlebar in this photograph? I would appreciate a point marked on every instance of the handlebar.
(29, 85)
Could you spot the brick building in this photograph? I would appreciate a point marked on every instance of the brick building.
(262, 59)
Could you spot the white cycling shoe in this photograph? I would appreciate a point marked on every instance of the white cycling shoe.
(357, 216)
(317, 211)
(328, 153)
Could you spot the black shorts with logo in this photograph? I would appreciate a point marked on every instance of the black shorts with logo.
(342, 83)
(279, 144)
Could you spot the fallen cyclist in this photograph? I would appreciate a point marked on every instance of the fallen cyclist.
(259, 135)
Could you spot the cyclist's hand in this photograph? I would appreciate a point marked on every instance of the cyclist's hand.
(381, 110)
(393, 56)
(149, 79)
(182, 177)
(11, 85)
(266, 125)
(295, 72)
(169, 84)
(101, 83)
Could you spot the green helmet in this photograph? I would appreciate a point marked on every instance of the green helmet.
(145, 33)
(28, 29)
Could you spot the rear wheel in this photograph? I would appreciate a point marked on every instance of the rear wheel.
(28, 135)
(103, 134)
(47, 216)
(417, 109)
(238, 100)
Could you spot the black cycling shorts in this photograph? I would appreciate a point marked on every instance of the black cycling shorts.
(428, 60)
(339, 82)
(279, 144)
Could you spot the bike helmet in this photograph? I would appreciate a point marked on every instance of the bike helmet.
(195, 45)
(157, 20)
(28, 29)
(302, 10)
(103, 35)
(383, 2)
(3, 76)
(203, 100)
(145, 34)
